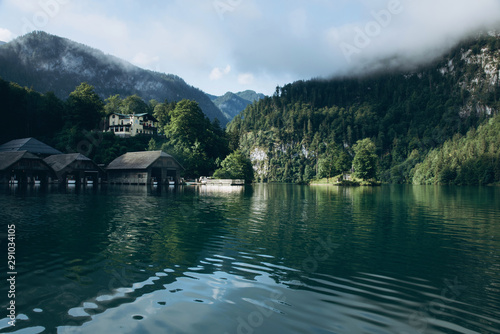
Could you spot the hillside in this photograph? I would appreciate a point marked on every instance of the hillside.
(49, 63)
(231, 104)
(250, 95)
(308, 129)
(464, 160)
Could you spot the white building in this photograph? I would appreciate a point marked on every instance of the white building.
(132, 125)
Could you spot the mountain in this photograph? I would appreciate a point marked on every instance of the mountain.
(212, 97)
(231, 104)
(250, 95)
(2, 43)
(50, 63)
(309, 129)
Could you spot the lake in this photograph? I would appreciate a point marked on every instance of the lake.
(254, 259)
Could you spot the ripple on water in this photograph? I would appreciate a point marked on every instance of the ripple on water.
(146, 267)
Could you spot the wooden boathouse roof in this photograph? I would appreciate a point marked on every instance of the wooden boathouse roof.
(138, 160)
(7, 159)
(31, 145)
(61, 161)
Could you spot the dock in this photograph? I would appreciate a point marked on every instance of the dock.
(223, 182)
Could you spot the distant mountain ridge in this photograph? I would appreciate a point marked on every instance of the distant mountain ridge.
(2, 43)
(231, 104)
(251, 95)
(50, 63)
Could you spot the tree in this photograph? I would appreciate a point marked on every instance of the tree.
(342, 161)
(53, 113)
(152, 145)
(326, 168)
(191, 137)
(233, 139)
(114, 104)
(188, 123)
(235, 166)
(309, 173)
(365, 160)
(162, 113)
(84, 108)
(134, 104)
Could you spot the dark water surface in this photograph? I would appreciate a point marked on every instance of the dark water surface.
(261, 259)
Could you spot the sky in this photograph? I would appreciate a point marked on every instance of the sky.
(235, 45)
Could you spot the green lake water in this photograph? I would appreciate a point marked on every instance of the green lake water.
(256, 259)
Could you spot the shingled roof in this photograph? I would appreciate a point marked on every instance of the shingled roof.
(7, 159)
(124, 116)
(61, 161)
(31, 145)
(137, 160)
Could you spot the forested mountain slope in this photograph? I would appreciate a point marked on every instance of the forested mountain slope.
(49, 63)
(295, 135)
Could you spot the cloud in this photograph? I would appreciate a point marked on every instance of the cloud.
(246, 79)
(298, 22)
(144, 60)
(266, 42)
(409, 33)
(218, 73)
(5, 35)
(415, 33)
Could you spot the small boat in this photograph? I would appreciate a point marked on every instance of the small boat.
(71, 182)
(38, 182)
(14, 182)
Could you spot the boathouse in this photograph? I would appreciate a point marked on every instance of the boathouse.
(30, 145)
(75, 167)
(22, 167)
(144, 168)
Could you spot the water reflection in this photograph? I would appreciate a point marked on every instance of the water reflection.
(262, 258)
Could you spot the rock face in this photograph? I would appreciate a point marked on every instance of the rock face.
(50, 63)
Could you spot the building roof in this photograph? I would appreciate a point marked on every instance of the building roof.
(7, 159)
(31, 145)
(61, 161)
(137, 160)
(120, 115)
(123, 116)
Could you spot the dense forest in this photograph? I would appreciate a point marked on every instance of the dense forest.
(464, 160)
(437, 125)
(77, 124)
(309, 129)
